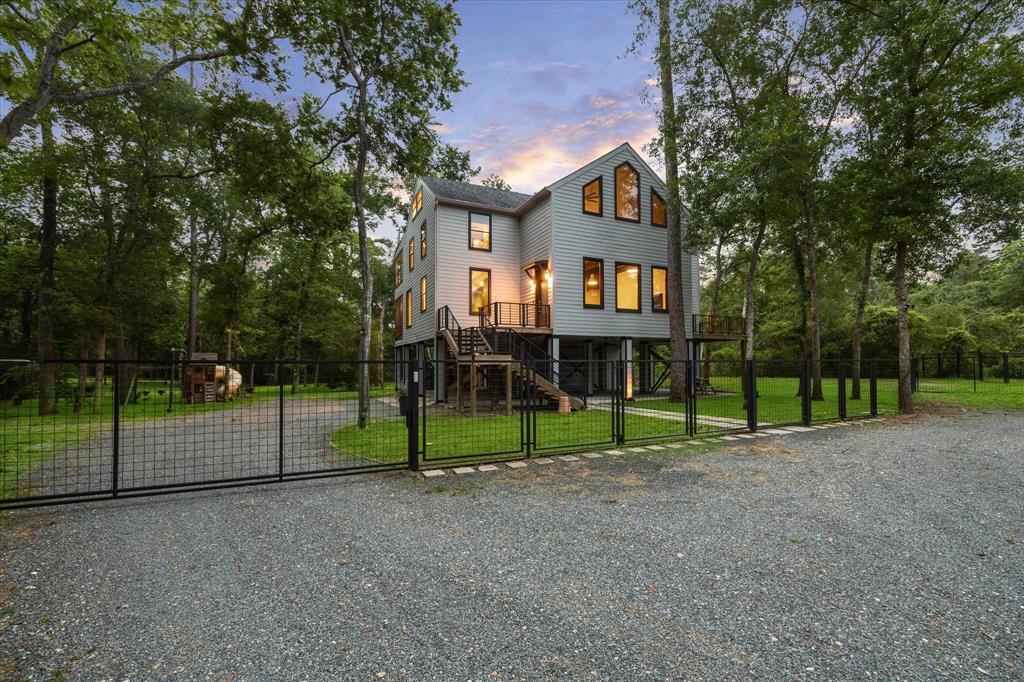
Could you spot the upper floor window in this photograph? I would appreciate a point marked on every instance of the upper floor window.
(408, 308)
(412, 254)
(659, 218)
(627, 287)
(592, 197)
(479, 231)
(398, 318)
(417, 204)
(659, 289)
(423, 240)
(398, 268)
(423, 293)
(627, 193)
(479, 290)
(593, 283)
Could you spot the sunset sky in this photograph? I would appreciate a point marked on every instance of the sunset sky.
(551, 87)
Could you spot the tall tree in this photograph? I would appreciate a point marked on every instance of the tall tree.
(394, 63)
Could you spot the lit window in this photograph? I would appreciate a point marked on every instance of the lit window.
(658, 215)
(398, 268)
(412, 254)
(398, 318)
(592, 197)
(593, 283)
(479, 231)
(479, 290)
(417, 204)
(659, 289)
(408, 308)
(423, 293)
(423, 240)
(627, 287)
(627, 193)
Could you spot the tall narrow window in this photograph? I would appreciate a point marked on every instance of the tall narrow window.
(412, 254)
(659, 289)
(593, 283)
(423, 240)
(627, 193)
(398, 318)
(479, 290)
(398, 268)
(408, 308)
(417, 204)
(423, 294)
(479, 231)
(627, 287)
(659, 218)
(592, 197)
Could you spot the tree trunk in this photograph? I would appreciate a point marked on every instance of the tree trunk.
(748, 296)
(674, 212)
(193, 286)
(101, 356)
(380, 343)
(47, 253)
(811, 246)
(716, 286)
(83, 376)
(365, 273)
(906, 399)
(801, 283)
(858, 322)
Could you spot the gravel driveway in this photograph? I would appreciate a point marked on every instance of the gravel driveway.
(879, 551)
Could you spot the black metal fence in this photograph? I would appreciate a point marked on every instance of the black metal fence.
(131, 428)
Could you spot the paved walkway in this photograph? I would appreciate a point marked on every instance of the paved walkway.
(708, 421)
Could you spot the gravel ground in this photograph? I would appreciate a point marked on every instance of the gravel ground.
(206, 446)
(878, 551)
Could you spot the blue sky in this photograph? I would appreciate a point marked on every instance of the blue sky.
(550, 87)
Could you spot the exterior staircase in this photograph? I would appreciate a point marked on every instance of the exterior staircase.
(507, 347)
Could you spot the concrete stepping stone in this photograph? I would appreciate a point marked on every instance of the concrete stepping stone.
(433, 473)
(544, 460)
(591, 455)
(464, 470)
(695, 442)
(673, 445)
(655, 447)
(729, 438)
(515, 465)
(799, 429)
(745, 435)
(614, 452)
(778, 432)
(569, 458)
(637, 449)
(487, 467)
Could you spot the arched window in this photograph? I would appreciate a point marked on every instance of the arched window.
(627, 193)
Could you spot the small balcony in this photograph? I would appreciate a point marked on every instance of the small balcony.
(717, 328)
(534, 317)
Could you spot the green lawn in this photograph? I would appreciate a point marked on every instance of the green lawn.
(27, 438)
(452, 435)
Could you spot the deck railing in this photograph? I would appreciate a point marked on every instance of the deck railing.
(501, 314)
(718, 325)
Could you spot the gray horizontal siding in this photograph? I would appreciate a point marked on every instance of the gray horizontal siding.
(455, 258)
(535, 244)
(423, 323)
(577, 235)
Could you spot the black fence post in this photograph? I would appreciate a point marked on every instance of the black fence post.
(981, 366)
(751, 396)
(620, 373)
(842, 389)
(873, 387)
(280, 424)
(805, 392)
(412, 415)
(691, 397)
(116, 463)
(1006, 368)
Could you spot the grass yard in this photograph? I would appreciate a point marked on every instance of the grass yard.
(27, 438)
(452, 435)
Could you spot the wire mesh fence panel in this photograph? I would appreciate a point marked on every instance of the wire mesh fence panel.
(326, 429)
(61, 446)
(719, 404)
(649, 414)
(779, 387)
(477, 411)
(887, 394)
(581, 417)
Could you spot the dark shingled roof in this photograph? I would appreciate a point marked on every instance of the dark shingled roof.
(475, 194)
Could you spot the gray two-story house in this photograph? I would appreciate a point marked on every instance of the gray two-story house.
(578, 268)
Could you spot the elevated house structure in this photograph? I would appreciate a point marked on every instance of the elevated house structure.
(574, 272)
